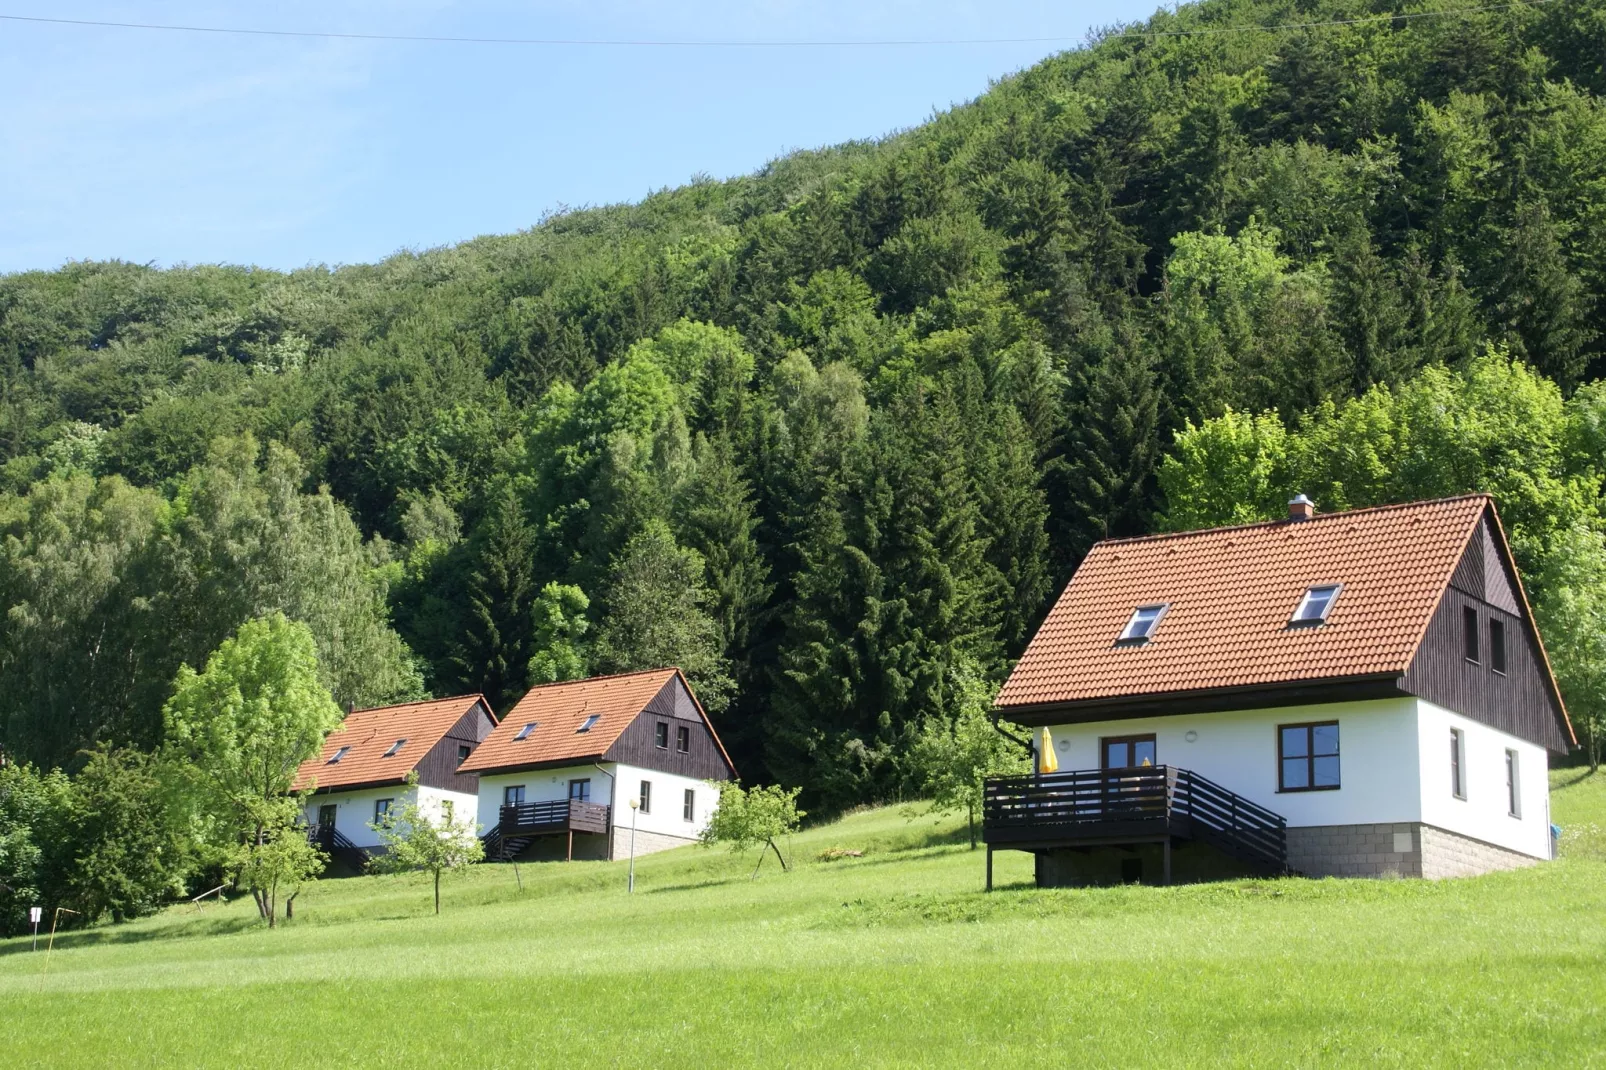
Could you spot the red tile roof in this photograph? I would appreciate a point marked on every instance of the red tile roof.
(1231, 593)
(558, 711)
(370, 733)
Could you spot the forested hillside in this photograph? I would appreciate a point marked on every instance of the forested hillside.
(832, 435)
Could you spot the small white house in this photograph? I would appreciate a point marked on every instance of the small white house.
(1353, 694)
(558, 776)
(361, 772)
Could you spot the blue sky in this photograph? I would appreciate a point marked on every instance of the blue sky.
(199, 148)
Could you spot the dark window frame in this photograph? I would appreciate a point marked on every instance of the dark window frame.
(395, 748)
(513, 794)
(1143, 737)
(1458, 764)
(1471, 647)
(382, 809)
(688, 805)
(683, 739)
(463, 751)
(1513, 785)
(646, 796)
(339, 754)
(660, 735)
(590, 722)
(1497, 645)
(584, 784)
(1309, 757)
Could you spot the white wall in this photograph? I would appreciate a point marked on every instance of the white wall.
(1483, 814)
(355, 809)
(667, 816)
(543, 785)
(1378, 760)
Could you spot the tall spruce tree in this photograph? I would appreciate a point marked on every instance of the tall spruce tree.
(494, 654)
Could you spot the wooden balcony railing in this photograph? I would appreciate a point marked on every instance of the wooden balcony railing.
(560, 815)
(1129, 805)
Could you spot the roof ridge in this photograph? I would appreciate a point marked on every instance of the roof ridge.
(416, 702)
(605, 676)
(1162, 535)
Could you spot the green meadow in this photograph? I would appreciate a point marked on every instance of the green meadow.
(895, 957)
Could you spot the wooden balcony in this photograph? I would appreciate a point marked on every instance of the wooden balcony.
(544, 818)
(1120, 807)
(519, 823)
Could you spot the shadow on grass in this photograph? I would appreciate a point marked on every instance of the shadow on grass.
(113, 934)
(1579, 779)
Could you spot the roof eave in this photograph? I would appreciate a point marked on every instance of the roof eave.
(1297, 692)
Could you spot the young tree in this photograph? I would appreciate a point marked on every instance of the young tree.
(240, 728)
(278, 859)
(953, 757)
(560, 624)
(753, 818)
(431, 839)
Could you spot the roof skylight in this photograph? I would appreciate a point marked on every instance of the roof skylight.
(394, 747)
(1145, 619)
(524, 733)
(589, 723)
(339, 754)
(1316, 604)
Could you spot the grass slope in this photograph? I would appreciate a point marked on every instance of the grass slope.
(894, 958)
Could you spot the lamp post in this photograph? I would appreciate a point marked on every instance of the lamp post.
(635, 805)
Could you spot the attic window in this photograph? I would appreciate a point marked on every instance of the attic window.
(1145, 619)
(394, 747)
(1315, 606)
(339, 754)
(589, 723)
(524, 733)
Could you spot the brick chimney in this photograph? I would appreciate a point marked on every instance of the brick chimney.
(1301, 508)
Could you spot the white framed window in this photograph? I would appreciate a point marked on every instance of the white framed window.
(1458, 763)
(688, 805)
(1513, 786)
(646, 796)
(1317, 603)
(1145, 619)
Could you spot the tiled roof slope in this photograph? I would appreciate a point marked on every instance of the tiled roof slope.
(558, 710)
(1232, 592)
(370, 733)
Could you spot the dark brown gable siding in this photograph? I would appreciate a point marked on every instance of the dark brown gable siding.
(1520, 702)
(637, 745)
(438, 768)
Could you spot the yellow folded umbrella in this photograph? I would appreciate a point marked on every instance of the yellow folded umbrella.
(1046, 762)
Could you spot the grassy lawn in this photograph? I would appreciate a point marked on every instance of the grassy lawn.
(895, 958)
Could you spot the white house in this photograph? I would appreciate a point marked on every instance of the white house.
(361, 772)
(557, 777)
(1360, 694)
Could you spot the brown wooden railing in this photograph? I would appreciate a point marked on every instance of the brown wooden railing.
(560, 815)
(1096, 805)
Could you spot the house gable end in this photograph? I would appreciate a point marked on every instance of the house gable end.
(1522, 700)
(637, 745)
(438, 767)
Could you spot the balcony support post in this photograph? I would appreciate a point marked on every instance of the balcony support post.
(989, 867)
(1166, 852)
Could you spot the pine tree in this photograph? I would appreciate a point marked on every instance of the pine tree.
(1112, 450)
(714, 515)
(494, 655)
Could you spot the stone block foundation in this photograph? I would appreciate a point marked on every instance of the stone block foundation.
(1398, 849)
(646, 842)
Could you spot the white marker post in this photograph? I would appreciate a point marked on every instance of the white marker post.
(34, 914)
